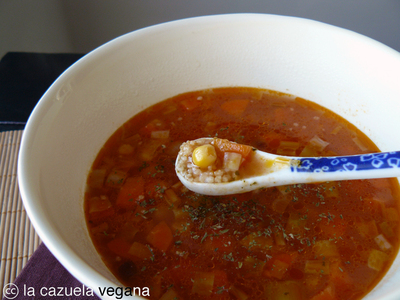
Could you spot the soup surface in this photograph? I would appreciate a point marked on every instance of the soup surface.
(333, 240)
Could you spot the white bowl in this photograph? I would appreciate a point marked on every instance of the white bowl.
(354, 76)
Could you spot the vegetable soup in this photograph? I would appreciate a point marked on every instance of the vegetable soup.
(326, 241)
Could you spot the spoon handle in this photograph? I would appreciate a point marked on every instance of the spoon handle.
(375, 165)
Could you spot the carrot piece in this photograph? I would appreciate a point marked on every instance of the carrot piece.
(131, 192)
(228, 146)
(160, 236)
(119, 246)
(235, 107)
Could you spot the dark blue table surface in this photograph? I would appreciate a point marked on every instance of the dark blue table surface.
(24, 78)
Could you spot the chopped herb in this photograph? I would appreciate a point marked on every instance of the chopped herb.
(143, 166)
(203, 238)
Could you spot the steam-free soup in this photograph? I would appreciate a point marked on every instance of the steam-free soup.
(333, 240)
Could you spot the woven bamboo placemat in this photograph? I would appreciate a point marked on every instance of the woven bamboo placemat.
(17, 236)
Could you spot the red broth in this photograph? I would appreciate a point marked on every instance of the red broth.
(333, 240)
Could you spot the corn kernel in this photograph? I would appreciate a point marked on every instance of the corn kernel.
(204, 156)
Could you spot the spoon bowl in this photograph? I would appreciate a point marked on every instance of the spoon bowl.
(267, 170)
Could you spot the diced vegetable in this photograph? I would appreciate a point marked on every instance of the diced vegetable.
(391, 214)
(172, 197)
(191, 104)
(160, 134)
(318, 266)
(253, 265)
(325, 248)
(367, 229)
(160, 236)
(131, 192)
(382, 242)
(203, 283)
(169, 109)
(338, 273)
(238, 293)
(336, 130)
(284, 189)
(126, 149)
(326, 294)
(204, 156)
(148, 150)
(96, 178)
(153, 125)
(132, 140)
(163, 213)
(128, 231)
(227, 146)
(182, 220)
(360, 144)
(296, 224)
(181, 214)
(116, 178)
(97, 204)
(140, 251)
(235, 107)
(100, 229)
(100, 215)
(376, 204)
(170, 295)
(314, 147)
(232, 161)
(284, 290)
(318, 143)
(377, 259)
(279, 238)
(287, 148)
(309, 151)
(279, 265)
(387, 230)
(277, 269)
(280, 203)
(279, 104)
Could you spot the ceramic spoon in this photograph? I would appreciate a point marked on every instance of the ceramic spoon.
(276, 170)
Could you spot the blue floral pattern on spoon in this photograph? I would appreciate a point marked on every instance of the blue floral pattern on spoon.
(385, 160)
